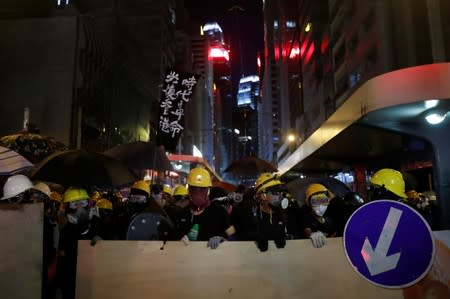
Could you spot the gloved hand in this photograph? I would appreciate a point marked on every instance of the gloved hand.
(95, 239)
(262, 243)
(280, 243)
(318, 239)
(214, 242)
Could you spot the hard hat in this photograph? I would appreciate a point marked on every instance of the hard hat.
(44, 188)
(167, 189)
(180, 190)
(74, 194)
(413, 194)
(390, 179)
(103, 203)
(15, 185)
(95, 195)
(313, 189)
(143, 186)
(55, 196)
(266, 180)
(199, 177)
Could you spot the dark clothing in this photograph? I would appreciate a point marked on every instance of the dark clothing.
(49, 257)
(105, 228)
(67, 263)
(214, 221)
(181, 219)
(311, 222)
(238, 216)
(271, 226)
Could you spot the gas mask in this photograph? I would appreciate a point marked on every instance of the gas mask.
(236, 197)
(77, 213)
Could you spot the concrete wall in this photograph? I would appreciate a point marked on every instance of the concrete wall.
(37, 71)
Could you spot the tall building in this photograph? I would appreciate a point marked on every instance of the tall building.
(248, 96)
(200, 111)
(108, 62)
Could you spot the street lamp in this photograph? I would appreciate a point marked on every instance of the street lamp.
(291, 138)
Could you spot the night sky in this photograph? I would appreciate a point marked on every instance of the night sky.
(243, 31)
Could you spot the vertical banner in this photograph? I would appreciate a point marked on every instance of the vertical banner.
(177, 91)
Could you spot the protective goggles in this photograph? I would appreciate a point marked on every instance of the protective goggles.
(319, 199)
(137, 198)
(78, 204)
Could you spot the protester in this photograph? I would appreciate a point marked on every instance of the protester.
(209, 222)
(179, 212)
(78, 227)
(316, 225)
(387, 183)
(267, 221)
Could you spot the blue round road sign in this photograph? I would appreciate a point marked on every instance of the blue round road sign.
(389, 244)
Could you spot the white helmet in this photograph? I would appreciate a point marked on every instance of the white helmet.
(15, 185)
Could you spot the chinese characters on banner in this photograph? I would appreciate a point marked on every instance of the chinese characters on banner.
(177, 91)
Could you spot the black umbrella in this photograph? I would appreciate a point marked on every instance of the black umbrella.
(250, 166)
(298, 187)
(83, 168)
(141, 155)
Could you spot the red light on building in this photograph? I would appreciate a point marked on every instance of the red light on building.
(309, 53)
(324, 44)
(219, 53)
(258, 61)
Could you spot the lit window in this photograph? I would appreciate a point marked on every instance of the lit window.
(291, 24)
(308, 27)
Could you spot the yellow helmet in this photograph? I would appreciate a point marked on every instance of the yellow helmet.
(390, 179)
(180, 190)
(95, 196)
(142, 185)
(103, 203)
(74, 194)
(199, 177)
(167, 189)
(266, 180)
(314, 189)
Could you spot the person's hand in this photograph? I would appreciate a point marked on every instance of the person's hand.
(95, 239)
(318, 239)
(215, 241)
(280, 243)
(262, 243)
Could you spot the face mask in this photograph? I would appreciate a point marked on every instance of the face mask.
(320, 210)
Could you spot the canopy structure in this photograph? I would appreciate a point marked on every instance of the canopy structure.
(374, 123)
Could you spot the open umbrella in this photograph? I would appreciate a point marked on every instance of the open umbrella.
(141, 155)
(34, 147)
(83, 168)
(11, 162)
(298, 187)
(250, 166)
